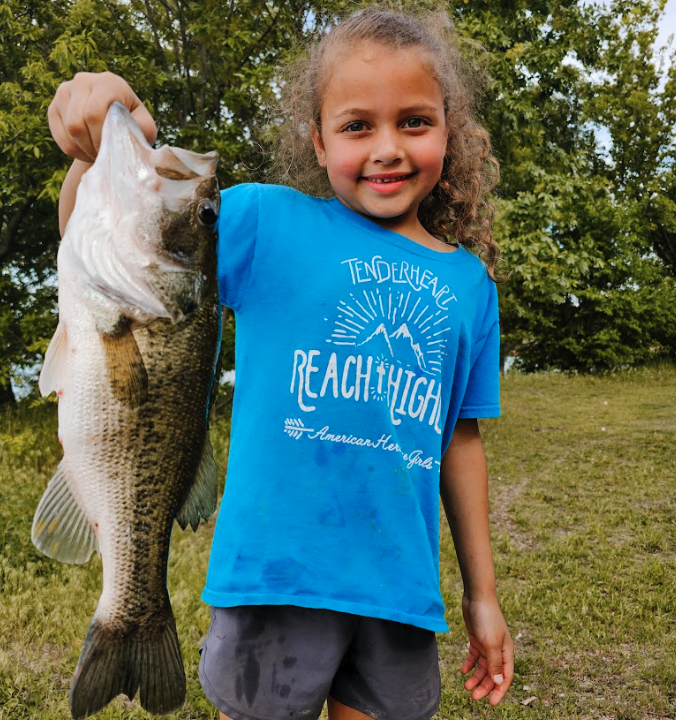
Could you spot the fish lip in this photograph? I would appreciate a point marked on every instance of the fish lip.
(202, 165)
(117, 112)
(190, 164)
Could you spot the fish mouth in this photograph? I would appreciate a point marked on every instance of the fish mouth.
(150, 254)
(170, 163)
(179, 164)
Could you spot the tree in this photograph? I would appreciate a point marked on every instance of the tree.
(205, 68)
(582, 121)
(30, 170)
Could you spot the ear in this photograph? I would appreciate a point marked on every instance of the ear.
(318, 143)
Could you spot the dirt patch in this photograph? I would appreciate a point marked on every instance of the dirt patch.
(29, 664)
(504, 496)
(35, 659)
(613, 690)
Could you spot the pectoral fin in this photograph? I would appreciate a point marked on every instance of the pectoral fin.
(61, 530)
(201, 502)
(126, 371)
(53, 367)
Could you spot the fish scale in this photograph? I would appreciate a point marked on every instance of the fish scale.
(133, 362)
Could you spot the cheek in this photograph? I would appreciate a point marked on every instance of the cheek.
(431, 156)
(343, 155)
(344, 163)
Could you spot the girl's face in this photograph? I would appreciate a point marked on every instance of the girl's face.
(383, 135)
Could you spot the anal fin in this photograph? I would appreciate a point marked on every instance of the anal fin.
(61, 530)
(201, 502)
(126, 371)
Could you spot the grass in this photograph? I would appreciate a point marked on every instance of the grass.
(583, 510)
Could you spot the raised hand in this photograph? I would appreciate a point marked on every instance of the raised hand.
(79, 107)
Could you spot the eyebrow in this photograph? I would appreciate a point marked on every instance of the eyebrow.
(404, 111)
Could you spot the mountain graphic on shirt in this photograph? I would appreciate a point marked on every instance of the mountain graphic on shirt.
(398, 345)
(402, 342)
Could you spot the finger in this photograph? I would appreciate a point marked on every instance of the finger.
(494, 662)
(480, 693)
(484, 688)
(473, 655)
(106, 89)
(57, 124)
(508, 671)
(75, 122)
(498, 693)
(477, 677)
(94, 114)
(145, 122)
(486, 685)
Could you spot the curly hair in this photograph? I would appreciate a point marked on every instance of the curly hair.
(458, 209)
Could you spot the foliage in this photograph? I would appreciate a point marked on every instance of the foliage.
(583, 123)
(581, 114)
(591, 295)
(31, 170)
(205, 69)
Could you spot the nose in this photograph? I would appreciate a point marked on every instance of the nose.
(386, 147)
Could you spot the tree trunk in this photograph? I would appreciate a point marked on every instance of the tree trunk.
(665, 246)
(6, 392)
(7, 237)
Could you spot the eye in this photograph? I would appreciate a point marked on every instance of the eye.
(355, 127)
(206, 213)
(415, 123)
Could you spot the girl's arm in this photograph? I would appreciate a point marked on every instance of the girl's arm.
(69, 192)
(464, 493)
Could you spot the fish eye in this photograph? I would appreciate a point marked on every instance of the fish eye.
(206, 213)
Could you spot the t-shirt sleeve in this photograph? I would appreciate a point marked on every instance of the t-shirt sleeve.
(237, 233)
(482, 396)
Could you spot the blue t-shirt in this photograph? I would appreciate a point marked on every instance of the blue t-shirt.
(356, 350)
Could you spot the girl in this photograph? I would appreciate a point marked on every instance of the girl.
(367, 346)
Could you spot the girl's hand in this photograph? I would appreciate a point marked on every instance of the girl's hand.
(491, 652)
(79, 108)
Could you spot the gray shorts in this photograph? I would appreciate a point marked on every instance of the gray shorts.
(277, 662)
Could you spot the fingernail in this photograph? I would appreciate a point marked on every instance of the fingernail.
(498, 679)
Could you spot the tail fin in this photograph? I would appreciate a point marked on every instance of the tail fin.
(115, 660)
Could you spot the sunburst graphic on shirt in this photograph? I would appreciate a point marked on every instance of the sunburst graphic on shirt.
(397, 326)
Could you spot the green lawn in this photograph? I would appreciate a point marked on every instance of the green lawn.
(583, 510)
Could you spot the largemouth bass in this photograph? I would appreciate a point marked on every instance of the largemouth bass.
(133, 362)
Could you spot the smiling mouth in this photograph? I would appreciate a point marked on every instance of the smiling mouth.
(387, 179)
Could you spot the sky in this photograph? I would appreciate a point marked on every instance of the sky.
(668, 24)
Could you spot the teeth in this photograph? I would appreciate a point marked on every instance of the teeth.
(388, 180)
